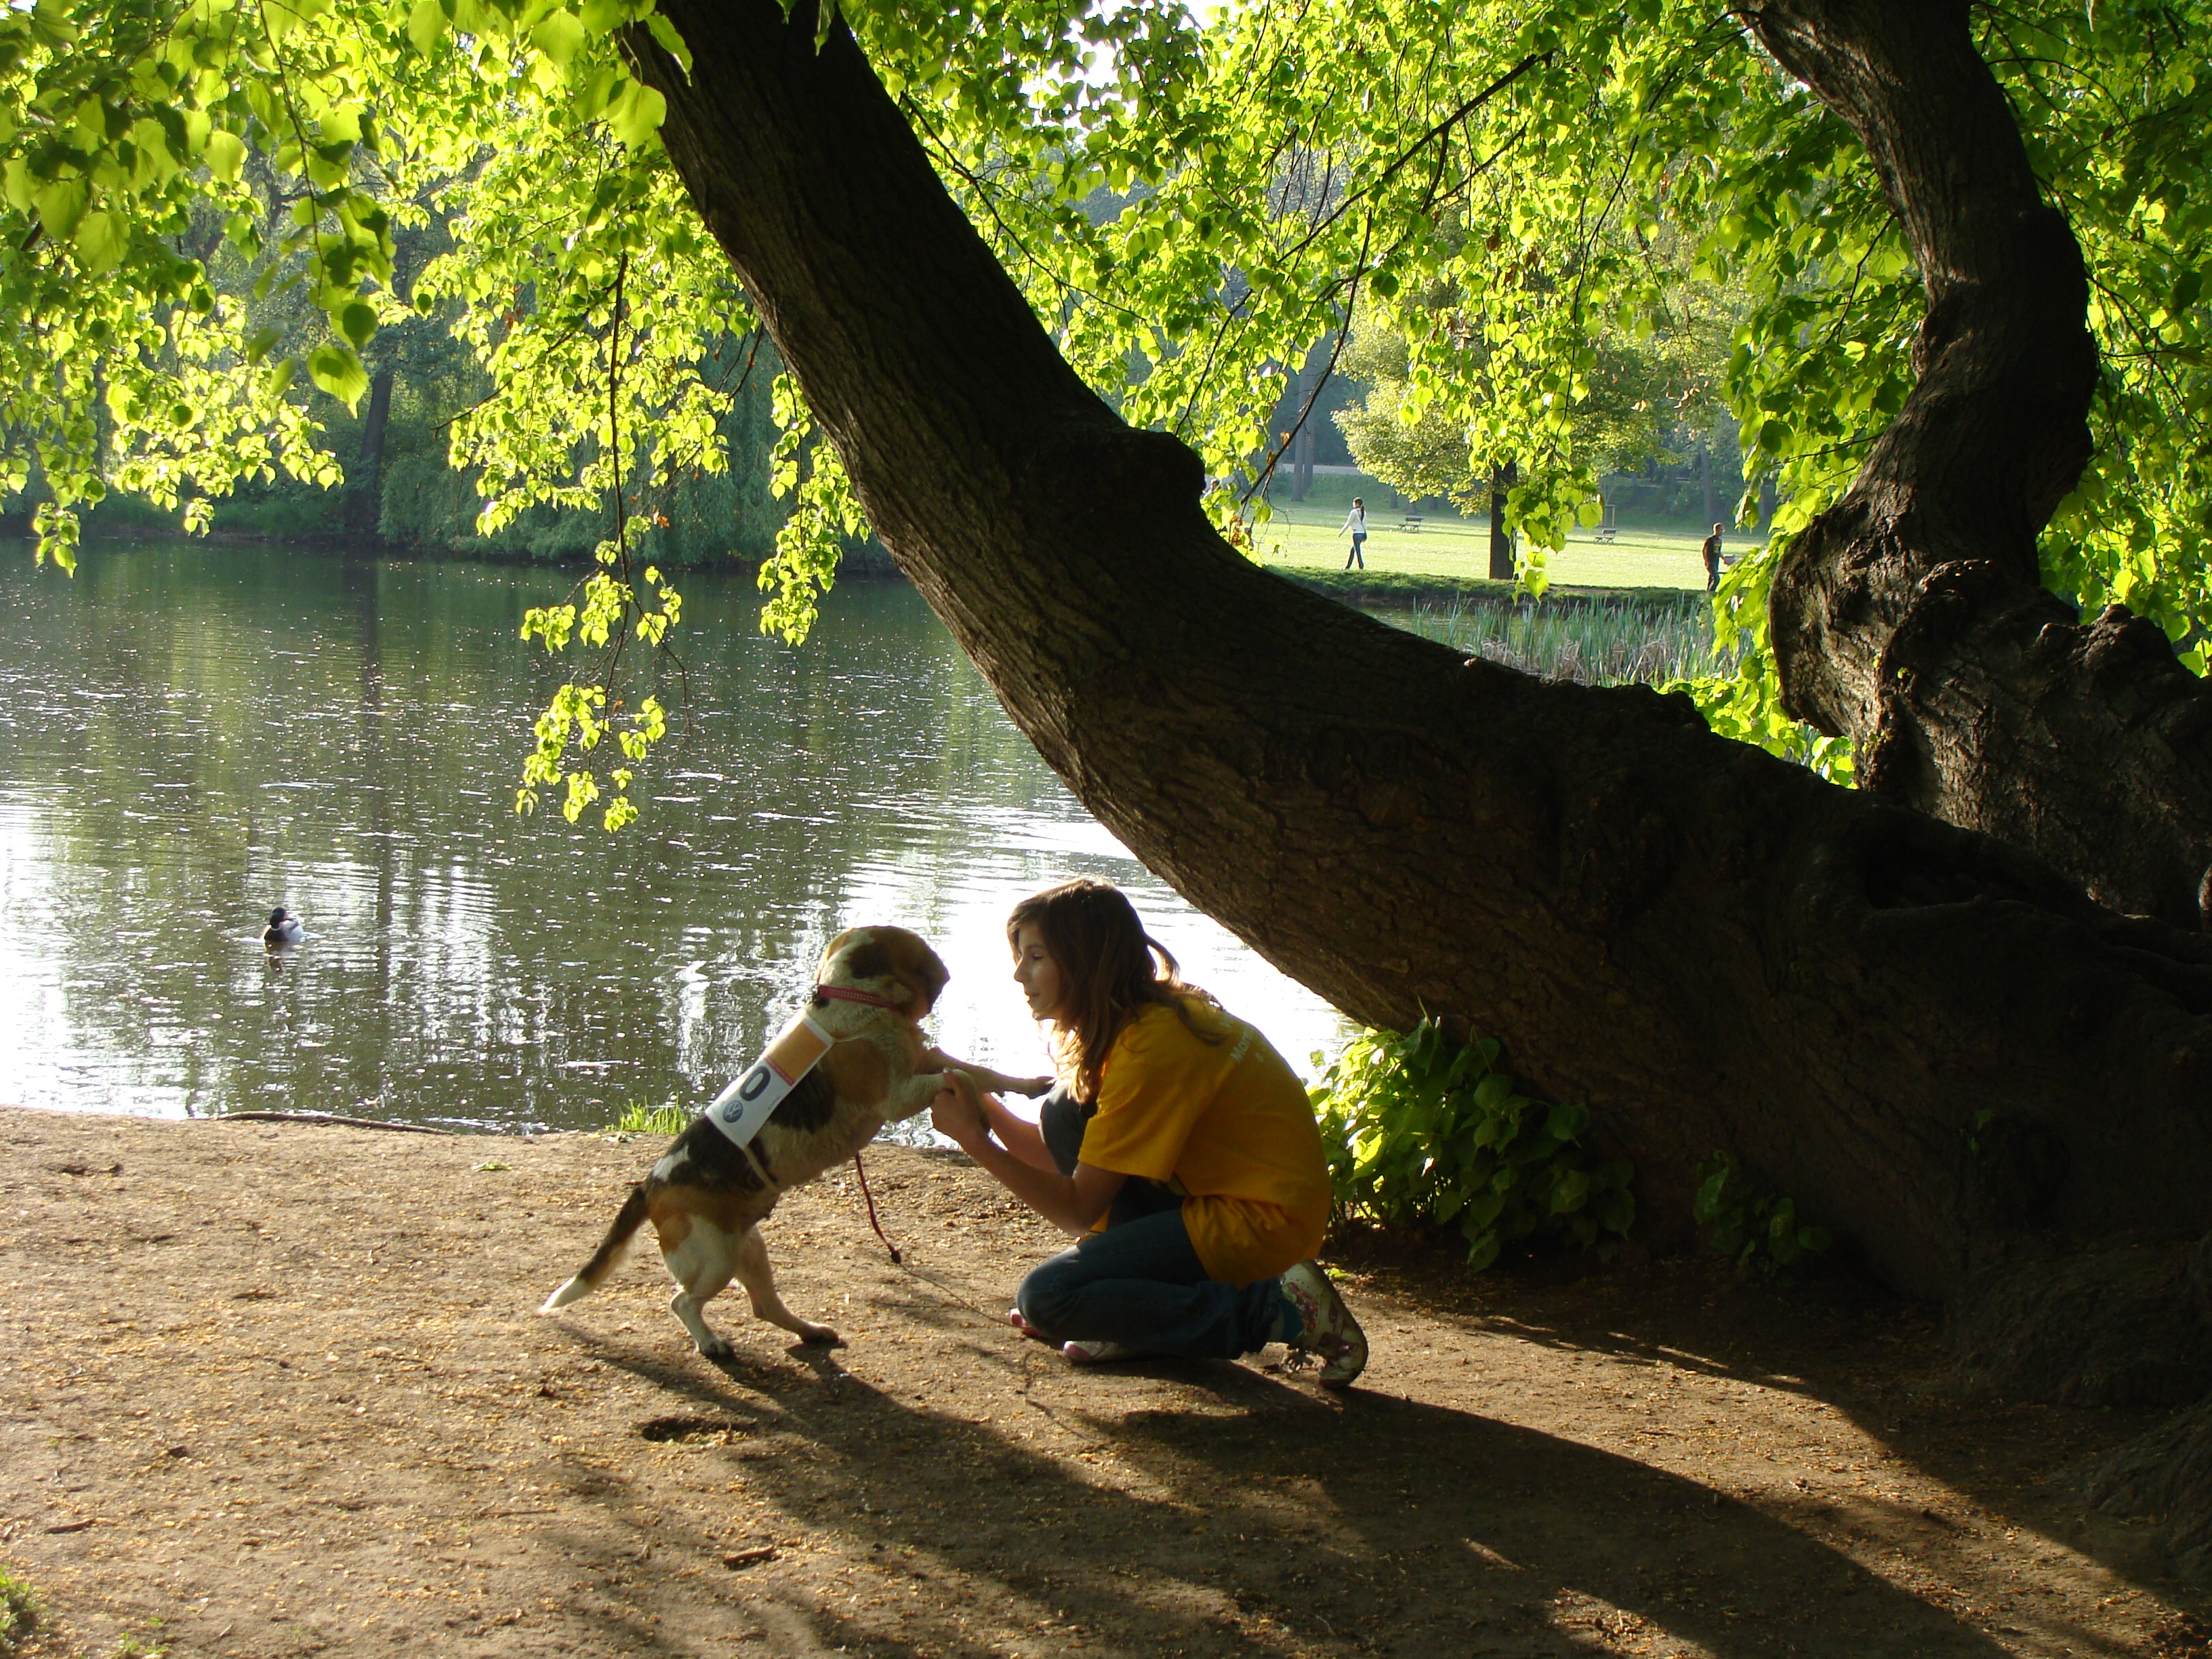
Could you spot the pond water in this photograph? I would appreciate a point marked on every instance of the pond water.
(191, 734)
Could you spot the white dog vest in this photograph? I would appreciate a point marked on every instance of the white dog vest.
(740, 1110)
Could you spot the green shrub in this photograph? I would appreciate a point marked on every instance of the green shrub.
(19, 1609)
(1752, 1227)
(1423, 1136)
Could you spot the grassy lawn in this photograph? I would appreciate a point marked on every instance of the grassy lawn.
(1305, 537)
(1632, 608)
(1448, 549)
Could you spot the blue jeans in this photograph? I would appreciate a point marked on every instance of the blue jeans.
(1141, 1283)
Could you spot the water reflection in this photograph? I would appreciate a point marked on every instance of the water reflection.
(189, 736)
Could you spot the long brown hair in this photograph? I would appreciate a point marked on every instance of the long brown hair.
(1110, 970)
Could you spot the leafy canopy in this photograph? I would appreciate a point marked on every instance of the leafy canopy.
(1517, 195)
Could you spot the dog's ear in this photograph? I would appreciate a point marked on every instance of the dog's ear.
(923, 972)
(867, 961)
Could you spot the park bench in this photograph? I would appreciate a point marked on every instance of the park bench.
(1412, 522)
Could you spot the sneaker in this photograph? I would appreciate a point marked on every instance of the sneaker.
(1326, 1329)
(1099, 1353)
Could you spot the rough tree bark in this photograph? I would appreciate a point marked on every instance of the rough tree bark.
(1710, 947)
(1910, 617)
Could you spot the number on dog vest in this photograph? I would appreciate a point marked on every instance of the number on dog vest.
(740, 1110)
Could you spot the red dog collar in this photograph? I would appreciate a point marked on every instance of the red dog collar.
(840, 993)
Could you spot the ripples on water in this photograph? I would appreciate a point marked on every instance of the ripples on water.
(189, 736)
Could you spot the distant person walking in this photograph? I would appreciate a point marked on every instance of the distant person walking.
(1712, 552)
(1355, 522)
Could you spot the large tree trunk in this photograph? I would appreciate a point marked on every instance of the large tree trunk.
(1712, 948)
(1911, 617)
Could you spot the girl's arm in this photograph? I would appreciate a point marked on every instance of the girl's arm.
(1017, 1134)
(1070, 1203)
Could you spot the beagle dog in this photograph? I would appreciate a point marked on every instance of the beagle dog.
(708, 1196)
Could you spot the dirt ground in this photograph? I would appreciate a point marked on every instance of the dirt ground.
(278, 1388)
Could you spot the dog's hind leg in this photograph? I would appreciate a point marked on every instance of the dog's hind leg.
(759, 1280)
(701, 1265)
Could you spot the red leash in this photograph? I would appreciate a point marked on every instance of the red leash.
(895, 1257)
(845, 994)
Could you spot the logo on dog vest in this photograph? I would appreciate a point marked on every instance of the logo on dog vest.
(740, 1110)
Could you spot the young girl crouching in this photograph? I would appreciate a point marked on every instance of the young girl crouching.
(1177, 1146)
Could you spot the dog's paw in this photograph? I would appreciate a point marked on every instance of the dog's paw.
(1034, 1086)
(714, 1347)
(819, 1336)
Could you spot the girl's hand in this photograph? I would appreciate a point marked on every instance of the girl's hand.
(997, 1082)
(957, 1111)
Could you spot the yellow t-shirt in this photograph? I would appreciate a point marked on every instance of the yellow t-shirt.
(1231, 1123)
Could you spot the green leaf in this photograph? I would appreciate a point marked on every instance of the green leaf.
(338, 372)
(560, 36)
(101, 240)
(636, 115)
(670, 41)
(426, 24)
(62, 205)
(225, 156)
(357, 322)
(1569, 1192)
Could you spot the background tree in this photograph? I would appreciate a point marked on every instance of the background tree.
(1643, 398)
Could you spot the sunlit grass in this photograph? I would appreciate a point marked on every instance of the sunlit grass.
(1598, 641)
(638, 1118)
(1303, 537)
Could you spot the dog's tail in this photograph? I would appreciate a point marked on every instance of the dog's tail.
(627, 1221)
